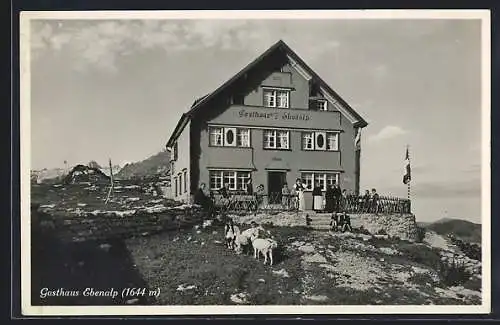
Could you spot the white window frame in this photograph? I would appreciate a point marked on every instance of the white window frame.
(218, 177)
(308, 137)
(328, 137)
(242, 178)
(322, 105)
(316, 145)
(272, 135)
(229, 177)
(237, 179)
(219, 132)
(185, 180)
(235, 137)
(308, 180)
(216, 133)
(321, 177)
(324, 177)
(329, 178)
(276, 97)
(243, 138)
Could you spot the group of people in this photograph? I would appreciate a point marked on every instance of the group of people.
(340, 221)
(332, 201)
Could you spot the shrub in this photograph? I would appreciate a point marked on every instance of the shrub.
(421, 279)
(421, 254)
(453, 274)
(470, 250)
(381, 232)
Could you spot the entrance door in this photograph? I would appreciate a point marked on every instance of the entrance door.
(275, 181)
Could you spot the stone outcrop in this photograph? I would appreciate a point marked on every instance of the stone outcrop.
(403, 226)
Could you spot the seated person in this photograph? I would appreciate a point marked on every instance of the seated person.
(202, 199)
(345, 222)
(334, 222)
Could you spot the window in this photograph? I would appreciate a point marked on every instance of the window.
(308, 140)
(237, 180)
(318, 104)
(275, 139)
(321, 105)
(332, 178)
(282, 139)
(180, 183)
(243, 136)
(216, 136)
(324, 179)
(242, 180)
(276, 98)
(176, 186)
(321, 178)
(320, 141)
(230, 179)
(332, 141)
(283, 99)
(215, 179)
(308, 180)
(185, 181)
(229, 137)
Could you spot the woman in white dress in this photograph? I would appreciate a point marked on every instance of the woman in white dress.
(317, 198)
(299, 188)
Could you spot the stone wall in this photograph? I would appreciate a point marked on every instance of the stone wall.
(74, 227)
(403, 226)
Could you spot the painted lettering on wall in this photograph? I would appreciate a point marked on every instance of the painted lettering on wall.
(274, 115)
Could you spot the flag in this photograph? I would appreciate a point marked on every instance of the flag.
(407, 170)
(357, 139)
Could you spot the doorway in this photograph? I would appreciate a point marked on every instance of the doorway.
(275, 181)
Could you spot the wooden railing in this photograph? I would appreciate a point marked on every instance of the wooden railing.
(241, 202)
(384, 204)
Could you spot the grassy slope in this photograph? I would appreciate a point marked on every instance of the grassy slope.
(462, 229)
(168, 260)
(146, 167)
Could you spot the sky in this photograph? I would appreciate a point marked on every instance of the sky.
(115, 89)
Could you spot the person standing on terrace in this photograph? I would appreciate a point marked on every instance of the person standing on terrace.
(299, 188)
(317, 197)
(285, 196)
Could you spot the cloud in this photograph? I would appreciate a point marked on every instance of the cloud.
(97, 43)
(386, 133)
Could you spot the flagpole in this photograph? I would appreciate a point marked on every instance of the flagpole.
(409, 181)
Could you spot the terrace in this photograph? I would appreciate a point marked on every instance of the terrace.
(277, 202)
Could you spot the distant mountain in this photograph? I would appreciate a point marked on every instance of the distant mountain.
(465, 230)
(154, 165)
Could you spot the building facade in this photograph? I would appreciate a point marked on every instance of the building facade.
(273, 122)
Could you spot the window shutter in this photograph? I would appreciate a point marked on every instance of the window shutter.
(320, 140)
(230, 137)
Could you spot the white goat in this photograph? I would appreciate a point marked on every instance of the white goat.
(231, 233)
(264, 246)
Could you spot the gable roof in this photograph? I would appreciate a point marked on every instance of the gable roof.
(280, 45)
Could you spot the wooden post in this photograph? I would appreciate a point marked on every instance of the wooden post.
(112, 186)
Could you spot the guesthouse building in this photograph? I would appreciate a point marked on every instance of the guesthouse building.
(273, 122)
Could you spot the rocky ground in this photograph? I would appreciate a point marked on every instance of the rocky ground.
(192, 266)
(311, 267)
